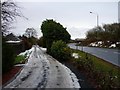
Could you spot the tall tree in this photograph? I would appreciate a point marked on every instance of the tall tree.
(53, 31)
(30, 37)
(107, 33)
(113, 30)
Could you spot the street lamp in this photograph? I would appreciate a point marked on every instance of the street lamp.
(97, 17)
(97, 21)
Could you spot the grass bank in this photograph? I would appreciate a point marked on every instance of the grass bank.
(105, 75)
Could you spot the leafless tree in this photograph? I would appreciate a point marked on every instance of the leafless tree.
(9, 12)
(30, 32)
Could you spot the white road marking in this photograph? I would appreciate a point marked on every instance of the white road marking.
(102, 50)
(116, 52)
(106, 51)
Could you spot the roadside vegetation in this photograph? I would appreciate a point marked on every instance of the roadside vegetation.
(55, 38)
(9, 12)
(29, 38)
(8, 56)
(22, 57)
(60, 51)
(52, 32)
(104, 74)
(104, 36)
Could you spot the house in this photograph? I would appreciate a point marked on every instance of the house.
(15, 42)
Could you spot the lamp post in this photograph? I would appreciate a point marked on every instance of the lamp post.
(97, 21)
(97, 17)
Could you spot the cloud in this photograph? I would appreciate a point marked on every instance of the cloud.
(77, 32)
(74, 16)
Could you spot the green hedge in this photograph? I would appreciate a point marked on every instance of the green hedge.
(60, 50)
(8, 56)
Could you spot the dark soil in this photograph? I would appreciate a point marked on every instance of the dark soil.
(84, 81)
(9, 75)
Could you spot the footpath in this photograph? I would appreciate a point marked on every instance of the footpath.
(43, 71)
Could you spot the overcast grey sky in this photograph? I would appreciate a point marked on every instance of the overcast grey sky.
(73, 15)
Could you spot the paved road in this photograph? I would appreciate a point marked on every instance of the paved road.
(43, 71)
(110, 55)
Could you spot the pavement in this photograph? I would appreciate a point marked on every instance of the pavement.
(43, 71)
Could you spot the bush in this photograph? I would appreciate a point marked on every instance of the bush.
(41, 42)
(7, 56)
(26, 44)
(60, 50)
(105, 75)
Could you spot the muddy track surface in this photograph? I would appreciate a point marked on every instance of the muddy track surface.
(43, 71)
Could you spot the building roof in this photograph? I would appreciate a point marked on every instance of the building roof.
(11, 38)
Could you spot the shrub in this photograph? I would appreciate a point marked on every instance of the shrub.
(26, 44)
(60, 50)
(106, 75)
(7, 56)
(41, 42)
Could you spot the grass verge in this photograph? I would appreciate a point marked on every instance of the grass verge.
(19, 59)
(106, 75)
